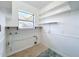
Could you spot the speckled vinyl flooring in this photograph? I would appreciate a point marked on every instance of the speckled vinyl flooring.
(49, 53)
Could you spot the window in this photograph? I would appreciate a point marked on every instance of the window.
(26, 20)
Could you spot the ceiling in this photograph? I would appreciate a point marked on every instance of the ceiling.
(38, 4)
(6, 6)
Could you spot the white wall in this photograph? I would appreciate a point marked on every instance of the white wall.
(2, 35)
(8, 20)
(17, 6)
(63, 37)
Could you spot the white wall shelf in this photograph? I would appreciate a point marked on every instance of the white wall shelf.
(49, 23)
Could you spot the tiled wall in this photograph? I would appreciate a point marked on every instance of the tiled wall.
(20, 39)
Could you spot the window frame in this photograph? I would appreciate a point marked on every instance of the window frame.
(33, 20)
